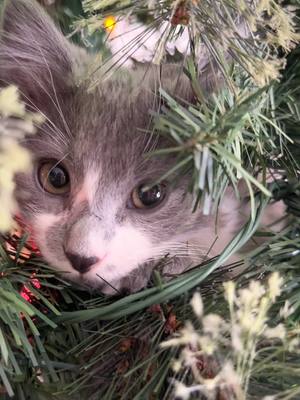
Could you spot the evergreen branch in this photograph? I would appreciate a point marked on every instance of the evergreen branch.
(249, 33)
(251, 128)
(226, 134)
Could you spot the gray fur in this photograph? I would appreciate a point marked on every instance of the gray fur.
(103, 131)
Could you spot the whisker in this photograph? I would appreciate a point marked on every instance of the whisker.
(212, 246)
(109, 284)
(57, 104)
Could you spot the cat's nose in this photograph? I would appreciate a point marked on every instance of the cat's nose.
(80, 263)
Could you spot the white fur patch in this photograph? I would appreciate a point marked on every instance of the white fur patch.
(89, 188)
(41, 224)
(119, 255)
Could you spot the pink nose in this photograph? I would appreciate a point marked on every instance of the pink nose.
(80, 263)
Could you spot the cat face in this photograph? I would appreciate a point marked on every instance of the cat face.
(89, 198)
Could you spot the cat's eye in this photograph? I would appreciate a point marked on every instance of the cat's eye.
(53, 177)
(146, 196)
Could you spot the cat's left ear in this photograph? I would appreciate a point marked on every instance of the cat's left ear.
(177, 80)
(34, 55)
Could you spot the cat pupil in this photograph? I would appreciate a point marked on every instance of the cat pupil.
(150, 196)
(58, 177)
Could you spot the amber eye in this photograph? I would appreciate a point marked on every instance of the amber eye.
(53, 178)
(145, 196)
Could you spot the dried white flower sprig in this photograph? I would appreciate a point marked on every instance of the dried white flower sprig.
(219, 357)
(15, 123)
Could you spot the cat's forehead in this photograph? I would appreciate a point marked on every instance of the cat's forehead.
(117, 109)
(111, 129)
(104, 119)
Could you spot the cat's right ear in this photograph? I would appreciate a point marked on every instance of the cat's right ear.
(34, 55)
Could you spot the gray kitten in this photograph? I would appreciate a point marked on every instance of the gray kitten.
(87, 198)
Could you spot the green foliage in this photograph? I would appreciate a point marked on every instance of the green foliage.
(75, 357)
(22, 324)
(67, 14)
(248, 33)
(70, 344)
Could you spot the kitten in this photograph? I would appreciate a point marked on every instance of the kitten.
(86, 198)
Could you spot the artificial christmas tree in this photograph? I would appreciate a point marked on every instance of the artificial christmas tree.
(58, 341)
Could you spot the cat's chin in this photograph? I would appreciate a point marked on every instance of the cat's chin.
(94, 282)
(106, 280)
(109, 282)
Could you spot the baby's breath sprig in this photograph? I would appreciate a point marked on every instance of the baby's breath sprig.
(228, 348)
(15, 123)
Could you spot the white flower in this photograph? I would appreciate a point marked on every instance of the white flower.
(212, 324)
(13, 157)
(181, 391)
(229, 375)
(197, 304)
(229, 292)
(286, 310)
(257, 289)
(294, 345)
(188, 335)
(176, 366)
(188, 356)
(278, 332)
(236, 340)
(10, 102)
(275, 282)
(207, 345)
